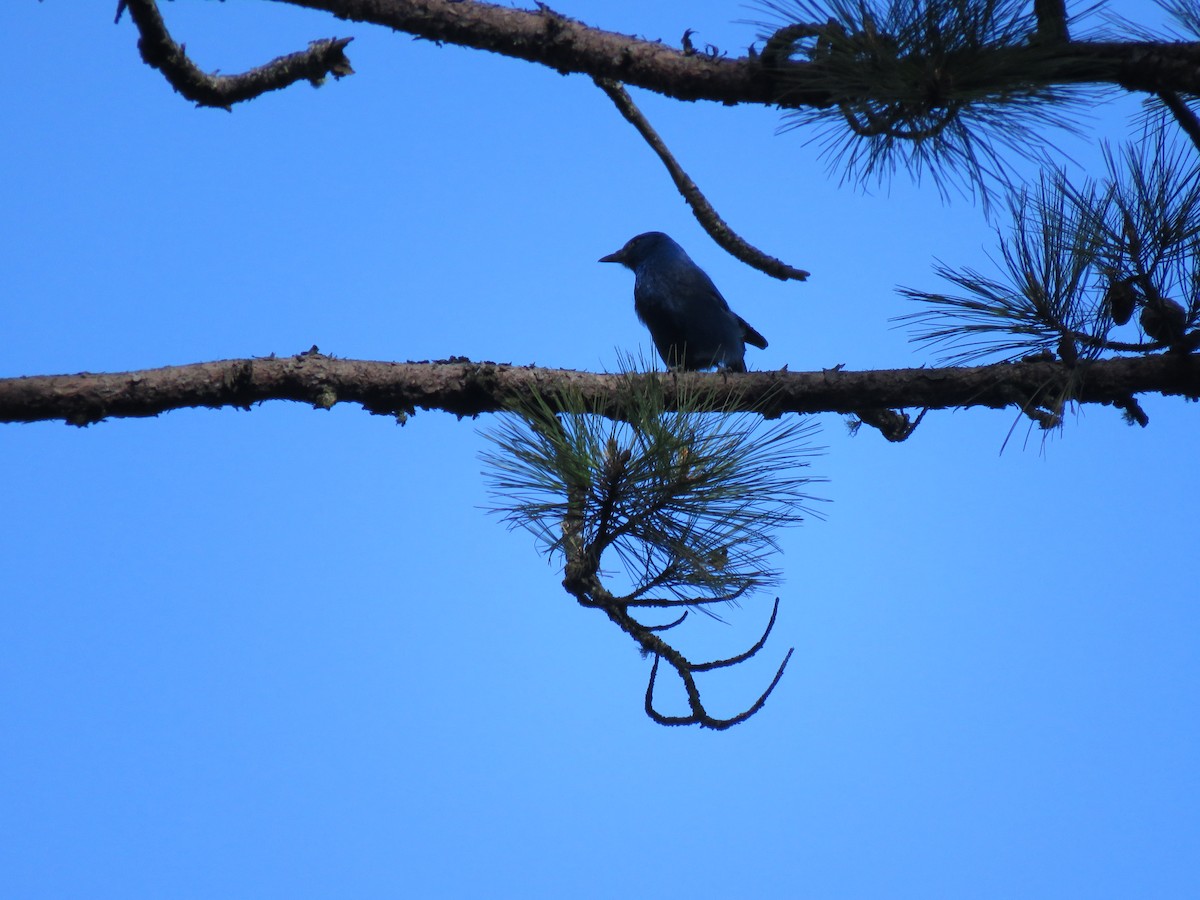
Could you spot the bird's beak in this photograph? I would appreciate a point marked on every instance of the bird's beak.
(618, 257)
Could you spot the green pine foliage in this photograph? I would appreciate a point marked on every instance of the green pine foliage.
(1078, 262)
(688, 500)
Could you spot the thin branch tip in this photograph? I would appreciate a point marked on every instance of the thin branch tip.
(710, 220)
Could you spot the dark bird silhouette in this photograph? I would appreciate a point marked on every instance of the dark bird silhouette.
(690, 322)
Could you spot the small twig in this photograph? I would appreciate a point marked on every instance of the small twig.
(699, 716)
(709, 219)
(1044, 419)
(780, 45)
(666, 602)
(1183, 115)
(1133, 410)
(742, 657)
(159, 50)
(877, 126)
(1051, 21)
(582, 580)
(894, 426)
(669, 625)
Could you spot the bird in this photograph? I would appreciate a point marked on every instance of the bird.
(691, 324)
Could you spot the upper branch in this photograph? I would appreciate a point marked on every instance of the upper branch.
(566, 45)
(468, 388)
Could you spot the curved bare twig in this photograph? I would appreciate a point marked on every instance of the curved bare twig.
(582, 580)
(159, 50)
(669, 625)
(710, 220)
(742, 657)
(699, 716)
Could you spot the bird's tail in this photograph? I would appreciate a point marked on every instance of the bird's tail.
(750, 335)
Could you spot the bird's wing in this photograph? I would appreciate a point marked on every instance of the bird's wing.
(704, 285)
(691, 280)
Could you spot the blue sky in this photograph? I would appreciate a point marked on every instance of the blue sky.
(288, 653)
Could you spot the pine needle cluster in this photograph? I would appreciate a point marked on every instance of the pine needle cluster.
(924, 86)
(682, 493)
(1109, 266)
(688, 501)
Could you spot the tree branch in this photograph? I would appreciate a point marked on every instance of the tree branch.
(566, 45)
(159, 50)
(582, 582)
(1051, 21)
(545, 37)
(1183, 115)
(467, 388)
(710, 220)
(563, 44)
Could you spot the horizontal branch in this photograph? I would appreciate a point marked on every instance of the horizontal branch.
(467, 388)
(561, 43)
(567, 45)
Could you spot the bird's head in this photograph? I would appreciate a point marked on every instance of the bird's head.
(638, 249)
